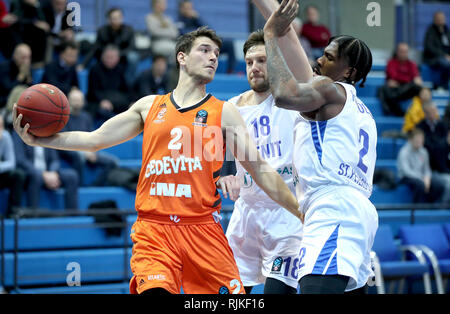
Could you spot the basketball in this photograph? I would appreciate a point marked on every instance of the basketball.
(45, 108)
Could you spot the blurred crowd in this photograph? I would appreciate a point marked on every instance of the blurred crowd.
(37, 34)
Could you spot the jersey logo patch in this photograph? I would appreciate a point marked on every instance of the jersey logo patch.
(200, 118)
(161, 114)
(277, 263)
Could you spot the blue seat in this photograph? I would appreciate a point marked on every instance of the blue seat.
(392, 262)
(388, 148)
(228, 83)
(83, 80)
(40, 268)
(447, 230)
(400, 195)
(37, 75)
(394, 219)
(432, 239)
(388, 124)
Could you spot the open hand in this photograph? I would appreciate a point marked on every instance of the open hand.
(279, 22)
(27, 137)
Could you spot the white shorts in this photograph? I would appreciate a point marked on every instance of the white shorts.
(340, 226)
(265, 242)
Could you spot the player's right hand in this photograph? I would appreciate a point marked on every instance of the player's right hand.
(27, 137)
(279, 22)
(230, 186)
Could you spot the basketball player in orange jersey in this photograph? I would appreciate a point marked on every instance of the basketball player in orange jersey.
(177, 238)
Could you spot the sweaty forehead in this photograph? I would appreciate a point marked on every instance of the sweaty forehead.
(332, 49)
(256, 51)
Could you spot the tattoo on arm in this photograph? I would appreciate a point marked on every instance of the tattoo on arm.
(280, 77)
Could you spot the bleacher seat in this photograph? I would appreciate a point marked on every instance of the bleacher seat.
(224, 83)
(389, 124)
(388, 148)
(432, 240)
(394, 219)
(37, 75)
(49, 267)
(83, 80)
(393, 265)
(447, 230)
(400, 195)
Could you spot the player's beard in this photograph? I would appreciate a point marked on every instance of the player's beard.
(261, 87)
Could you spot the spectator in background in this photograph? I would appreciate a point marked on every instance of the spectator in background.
(108, 91)
(10, 177)
(33, 27)
(121, 35)
(414, 170)
(153, 81)
(446, 117)
(8, 32)
(60, 31)
(189, 20)
(317, 34)
(415, 114)
(163, 31)
(15, 72)
(435, 132)
(403, 81)
(43, 169)
(81, 120)
(62, 72)
(436, 52)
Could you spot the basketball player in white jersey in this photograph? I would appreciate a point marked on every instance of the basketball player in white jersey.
(264, 238)
(334, 158)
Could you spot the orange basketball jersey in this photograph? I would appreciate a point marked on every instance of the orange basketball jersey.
(182, 156)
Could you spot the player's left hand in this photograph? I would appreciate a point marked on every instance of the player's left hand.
(230, 186)
(279, 22)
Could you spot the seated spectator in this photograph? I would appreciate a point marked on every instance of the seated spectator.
(15, 72)
(8, 32)
(414, 170)
(62, 72)
(43, 169)
(446, 117)
(108, 91)
(317, 34)
(298, 26)
(10, 177)
(33, 27)
(189, 20)
(415, 114)
(441, 166)
(121, 35)
(436, 52)
(153, 81)
(163, 31)
(403, 81)
(435, 132)
(81, 120)
(61, 32)
(12, 99)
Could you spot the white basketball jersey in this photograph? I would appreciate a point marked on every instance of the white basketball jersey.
(271, 128)
(337, 152)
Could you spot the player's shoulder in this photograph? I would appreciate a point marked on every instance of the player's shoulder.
(144, 103)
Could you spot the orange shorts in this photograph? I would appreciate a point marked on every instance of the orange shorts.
(188, 252)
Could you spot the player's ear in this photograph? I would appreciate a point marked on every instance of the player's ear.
(350, 74)
(181, 58)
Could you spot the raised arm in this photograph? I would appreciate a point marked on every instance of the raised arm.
(244, 150)
(114, 131)
(287, 92)
(289, 44)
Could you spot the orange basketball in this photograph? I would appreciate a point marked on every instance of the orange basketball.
(45, 108)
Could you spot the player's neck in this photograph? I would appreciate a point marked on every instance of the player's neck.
(260, 97)
(187, 95)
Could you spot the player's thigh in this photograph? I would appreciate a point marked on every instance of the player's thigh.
(208, 264)
(155, 261)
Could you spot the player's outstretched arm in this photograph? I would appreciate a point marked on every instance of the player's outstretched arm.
(290, 45)
(287, 92)
(245, 151)
(116, 130)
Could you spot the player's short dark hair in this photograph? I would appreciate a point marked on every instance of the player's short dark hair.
(185, 42)
(254, 39)
(358, 56)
